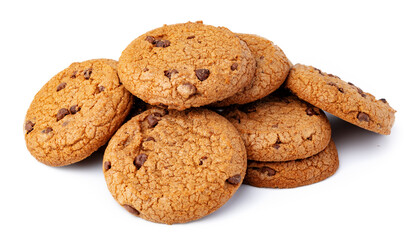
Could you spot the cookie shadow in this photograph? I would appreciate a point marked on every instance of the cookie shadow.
(347, 135)
(92, 162)
(236, 203)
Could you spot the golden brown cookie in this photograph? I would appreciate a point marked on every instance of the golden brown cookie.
(272, 67)
(186, 65)
(281, 128)
(295, 173)
(174, 167)
(342, 99)
(76, 112)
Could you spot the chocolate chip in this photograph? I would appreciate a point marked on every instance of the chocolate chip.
(270, 171)
(363, 117)
(190, 37)
(29, 126)
(131, 210)
(153, 120)
(87, 73)
(186, 90)
(320, 72)
(145, 69)
(107, 165)
(335, 85)
(168, 73)
(261, 57)
(74, 109)
(202, 74)
(310, 111)
(150, 39)
(361, 92)
(61, 113)
(234, 179)
(334, 76)
(149, 139)
(383, 100)
(74, 74)
(201, 161)
(61, 86)
(139, 160)
(276, 145)
(47, 130)
(309, 138)
(101, 88)
(234, 66)
(161, 43)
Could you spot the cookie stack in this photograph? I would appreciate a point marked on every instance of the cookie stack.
(171, 158)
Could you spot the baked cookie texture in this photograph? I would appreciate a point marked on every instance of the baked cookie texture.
(342, 99)
(295, 173)
(280, 128)
(272, 68)
(76, 112)
(174, 167)
(186, 65)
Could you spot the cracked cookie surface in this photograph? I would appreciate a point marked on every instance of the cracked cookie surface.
(294, 173)
(174, 167)
(272, 67)
(280, 128)
(340, 98)
(186, 65)
(76, 112)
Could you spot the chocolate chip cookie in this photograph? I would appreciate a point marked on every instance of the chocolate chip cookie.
(272, 67)
(186, 65)
(295, 173)
(342, 99)
(174, 167)
(281, 128)
(76, 112)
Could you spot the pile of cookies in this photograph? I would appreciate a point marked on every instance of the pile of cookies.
(190, 112)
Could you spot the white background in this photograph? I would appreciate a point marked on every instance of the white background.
(371, 196)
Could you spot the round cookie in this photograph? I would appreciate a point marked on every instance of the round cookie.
(294, 173)
(272, 67)
(342, 99)
(186, 65)
(174, 167)
(76, 112)
(281, 128)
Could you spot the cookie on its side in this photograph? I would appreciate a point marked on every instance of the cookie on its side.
(272, 67)
(186, 65)
(174, 167)
(76, 112)
(295, 173)
(342, 99)
(281, 128)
